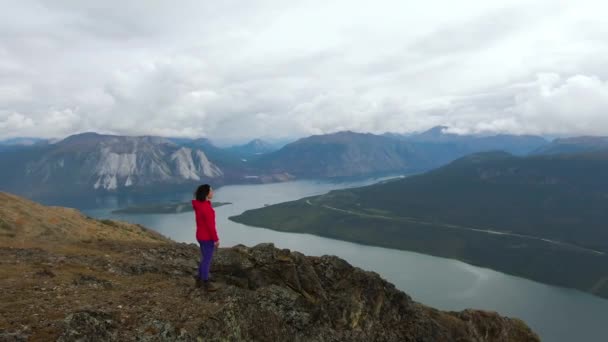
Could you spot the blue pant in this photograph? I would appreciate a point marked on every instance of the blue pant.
(207, 247)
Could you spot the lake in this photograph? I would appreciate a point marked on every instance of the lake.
(556, 314)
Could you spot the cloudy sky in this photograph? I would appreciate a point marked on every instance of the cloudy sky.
(235, 70)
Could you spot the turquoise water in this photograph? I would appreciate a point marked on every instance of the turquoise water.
(556, 314)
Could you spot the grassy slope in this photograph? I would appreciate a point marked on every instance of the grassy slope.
(24, 223)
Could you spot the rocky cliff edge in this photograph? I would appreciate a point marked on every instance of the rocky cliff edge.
(68, 277)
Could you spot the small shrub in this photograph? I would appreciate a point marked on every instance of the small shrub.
(109, 223)
(5, 225)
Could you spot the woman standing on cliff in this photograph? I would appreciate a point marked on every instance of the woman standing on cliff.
(206, 233)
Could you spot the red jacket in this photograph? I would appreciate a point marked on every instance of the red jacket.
(205, 221)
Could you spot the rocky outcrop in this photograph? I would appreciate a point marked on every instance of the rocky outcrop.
(145, 292)
(130, 285)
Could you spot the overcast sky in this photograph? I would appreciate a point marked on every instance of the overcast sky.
(236, 70)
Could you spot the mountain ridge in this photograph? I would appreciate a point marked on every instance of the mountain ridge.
(574, 145)
(90, 161)
(348, 153)
(145, 164)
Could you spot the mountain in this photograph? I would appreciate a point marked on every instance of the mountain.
(348, 154)
(90, 161)
(232, 158)
(539, 217)
(14, 144)
(460, 145)
(575, 145)
(223, 157)
(253, 148)
(343, 154)
(68, 277)
(93, 162)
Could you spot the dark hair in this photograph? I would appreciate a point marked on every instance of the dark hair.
(201, 192)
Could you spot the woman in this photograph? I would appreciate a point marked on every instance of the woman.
(206, 233)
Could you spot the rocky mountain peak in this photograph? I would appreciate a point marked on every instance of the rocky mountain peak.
(112, 163)
(258, 146)
(91, 141)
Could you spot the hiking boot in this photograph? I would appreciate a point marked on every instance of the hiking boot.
(209, 287)
(198, 283)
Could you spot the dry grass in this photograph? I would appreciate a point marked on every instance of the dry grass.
(44, 251)
(39, 288)
(22, 221)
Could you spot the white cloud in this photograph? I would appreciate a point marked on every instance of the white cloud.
(14, 121)
(575, 105)
(551, 104)
(239, 70)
